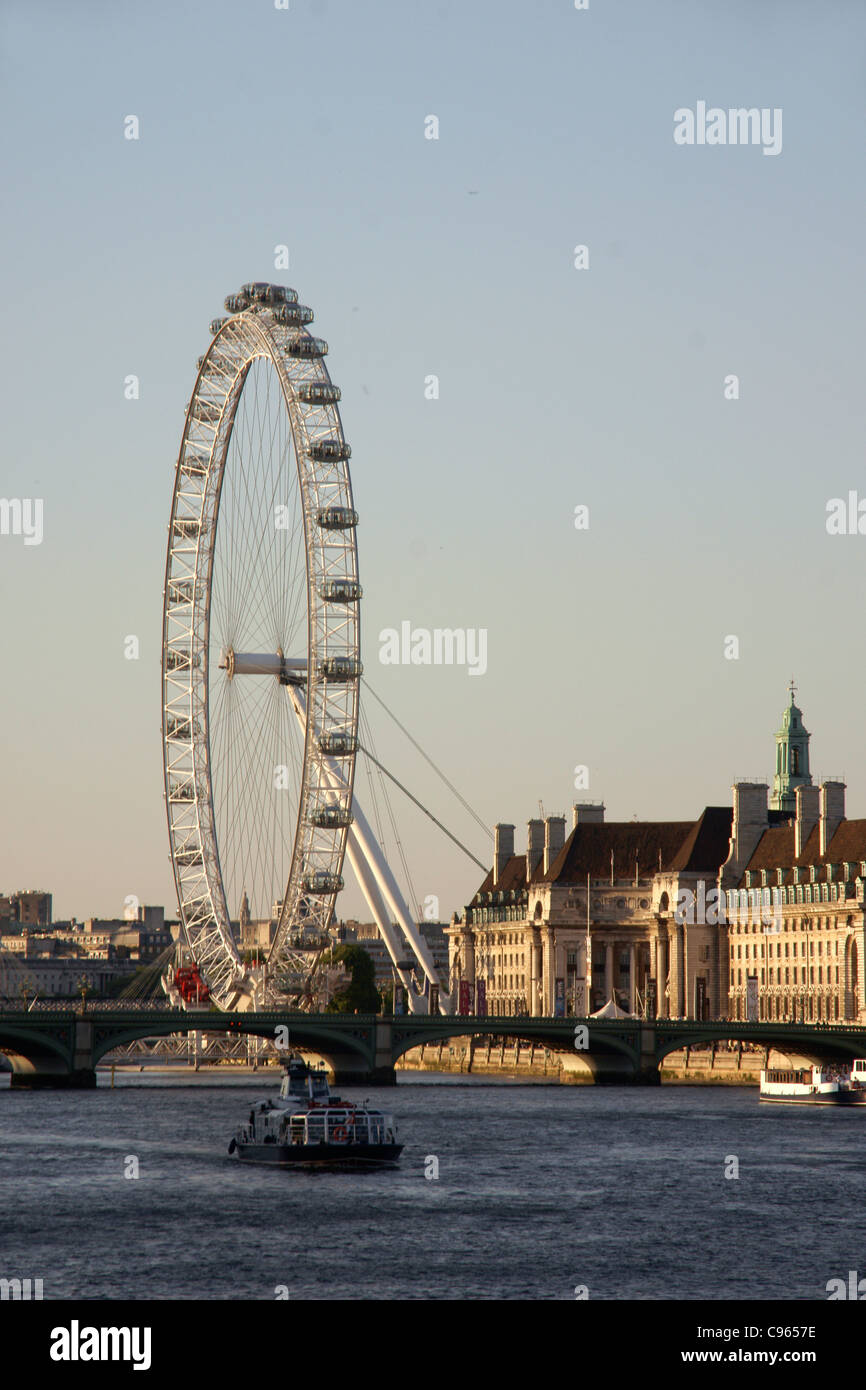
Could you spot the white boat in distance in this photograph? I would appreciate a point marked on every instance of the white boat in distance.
(828, 1085)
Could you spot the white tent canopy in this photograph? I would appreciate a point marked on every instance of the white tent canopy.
(611, 1010)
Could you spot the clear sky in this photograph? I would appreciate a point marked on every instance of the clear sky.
(602, 386)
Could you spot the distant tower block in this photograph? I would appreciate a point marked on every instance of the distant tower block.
(792, 759)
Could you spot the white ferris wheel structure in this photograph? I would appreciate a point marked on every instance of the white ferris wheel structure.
(261, 663)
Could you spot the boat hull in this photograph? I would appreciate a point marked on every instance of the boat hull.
(320, 1155)
(828, 1098)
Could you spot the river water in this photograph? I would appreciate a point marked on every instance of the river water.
(541, 1189)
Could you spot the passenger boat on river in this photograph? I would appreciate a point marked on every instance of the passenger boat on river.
(833, 1085)
(308, 1127)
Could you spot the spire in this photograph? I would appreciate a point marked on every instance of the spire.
(792, 758)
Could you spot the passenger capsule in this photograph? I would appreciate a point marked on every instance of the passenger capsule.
(319, 392)
(336, 518)
(338, 745)
(216, 324)
(322, 882)
(341, 591)
(181, 791)
(194, 463)
(340, 668)
(177, 660)
(186, 527)
(294, 315)
(207, 411)
(305, 346)
(331, 817)
(236, 303)
(180, 591)
(188, 857)
(260, 292)
(179, 729)
(329, 450)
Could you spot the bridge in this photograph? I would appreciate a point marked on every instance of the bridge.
(64, 1047)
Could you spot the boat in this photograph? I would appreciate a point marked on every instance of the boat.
(834, 1085)
(308, 1127)
(300, 1084)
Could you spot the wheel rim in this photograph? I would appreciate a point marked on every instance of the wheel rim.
(260, 625)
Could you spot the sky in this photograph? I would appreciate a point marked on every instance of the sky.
(605, 386)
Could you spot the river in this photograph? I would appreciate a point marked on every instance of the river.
(541, 1190)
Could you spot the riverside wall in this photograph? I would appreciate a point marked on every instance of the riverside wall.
(508, 1059)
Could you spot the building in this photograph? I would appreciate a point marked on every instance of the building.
(754, 910)
(795, 897)
(31, 908)
(609, 893)
(366, 934)
(54, 961)
(142, 937)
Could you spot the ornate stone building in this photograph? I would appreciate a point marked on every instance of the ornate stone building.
(522, 944)
(755, 909)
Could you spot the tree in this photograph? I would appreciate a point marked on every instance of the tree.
(360, 995)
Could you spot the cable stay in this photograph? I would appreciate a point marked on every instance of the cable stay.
(367, 734)
(421, 807)
(439, 773)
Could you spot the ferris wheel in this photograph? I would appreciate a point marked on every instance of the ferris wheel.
(260, 659)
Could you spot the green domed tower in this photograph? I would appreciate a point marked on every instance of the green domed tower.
(792, 759)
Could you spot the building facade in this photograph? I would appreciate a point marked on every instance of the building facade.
(608, 896)
(757, 910)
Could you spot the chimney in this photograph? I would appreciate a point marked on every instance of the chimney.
(832, 813)
(807, 816)
(503, 849)
(534, 845)
(554, 839)
(750, 820)
(587, 813)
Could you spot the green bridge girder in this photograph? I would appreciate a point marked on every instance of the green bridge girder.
(64, 1048)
